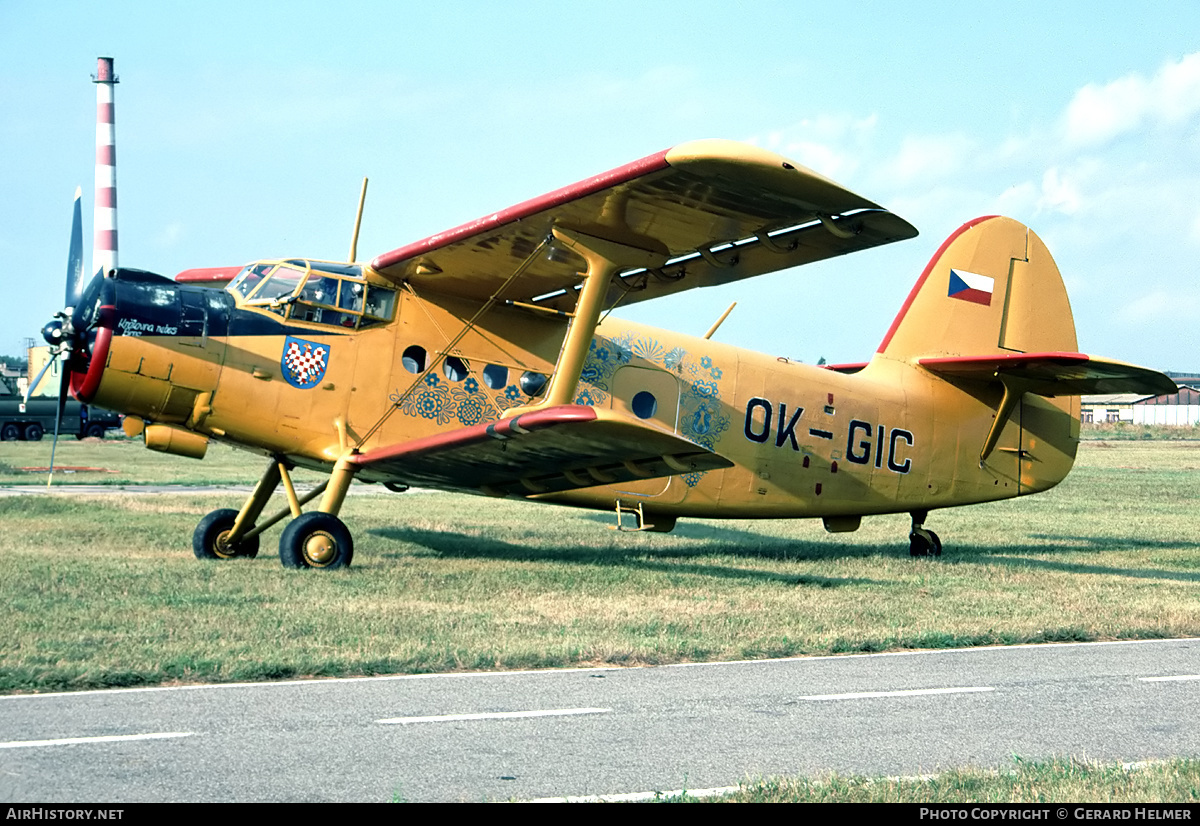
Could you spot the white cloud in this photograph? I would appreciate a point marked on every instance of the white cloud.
(1058, 193)
(1157, 305)
(1100, 113)
(1018, 199)
(170, 235)
(834, 145)
(929, 158)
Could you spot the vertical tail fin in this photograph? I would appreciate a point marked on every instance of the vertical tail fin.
(992, 288)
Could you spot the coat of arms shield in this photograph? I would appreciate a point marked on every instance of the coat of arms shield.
(304, 362)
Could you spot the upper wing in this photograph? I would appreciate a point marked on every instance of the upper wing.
(720, 210)
(542, 451)
(1055, 374)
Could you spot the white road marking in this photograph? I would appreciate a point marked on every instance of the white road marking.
(74, 741)
(1178, 678)
(498, 715)
(863, 695)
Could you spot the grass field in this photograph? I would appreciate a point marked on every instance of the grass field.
(1055, 781)
(104, 591)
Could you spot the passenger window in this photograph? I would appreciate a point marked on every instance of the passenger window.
(455, 368)
(495, 376)
(644, 405)
(532, 384)
(414, 359)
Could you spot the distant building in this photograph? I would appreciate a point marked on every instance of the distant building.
(1108, 408)
(1192, 379)
(48, 386)
(1180, 409)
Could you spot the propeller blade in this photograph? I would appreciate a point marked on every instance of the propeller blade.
(75, 256)
(64, 385)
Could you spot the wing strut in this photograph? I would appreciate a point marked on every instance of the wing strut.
(604, 259)
(470, 325)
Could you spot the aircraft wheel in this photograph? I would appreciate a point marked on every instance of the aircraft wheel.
(924, 542)
(210, 539)
(316, 540)
(33, 432)
(10, 432)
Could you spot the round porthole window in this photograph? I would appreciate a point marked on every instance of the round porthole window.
(454, 368)
(414, 359)
(495, 376)
(644, 405)
(532, 384)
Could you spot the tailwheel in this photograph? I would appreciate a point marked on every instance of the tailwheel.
(211, 539)
(316, 540)
(924, 542)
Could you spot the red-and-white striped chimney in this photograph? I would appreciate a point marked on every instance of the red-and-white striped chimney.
(104, 246)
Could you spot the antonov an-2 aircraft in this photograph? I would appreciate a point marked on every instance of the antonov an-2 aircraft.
(483, 360)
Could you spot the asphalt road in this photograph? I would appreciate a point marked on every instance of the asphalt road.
(531, 735)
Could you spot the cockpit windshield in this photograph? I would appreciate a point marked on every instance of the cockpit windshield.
(318, 292)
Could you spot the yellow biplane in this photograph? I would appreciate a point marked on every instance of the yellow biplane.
(483, 360)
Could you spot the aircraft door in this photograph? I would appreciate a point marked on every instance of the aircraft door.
(652, 396)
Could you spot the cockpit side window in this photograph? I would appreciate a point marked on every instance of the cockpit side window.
(379, 305)
(352, 295)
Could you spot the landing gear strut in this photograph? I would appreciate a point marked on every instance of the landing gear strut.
(921, 540)
(313, 540)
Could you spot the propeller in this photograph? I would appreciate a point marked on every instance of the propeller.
(59, 333)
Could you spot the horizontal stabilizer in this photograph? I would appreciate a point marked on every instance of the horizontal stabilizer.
(542, 451)
(1054, 374)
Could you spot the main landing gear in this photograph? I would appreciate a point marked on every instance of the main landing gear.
(921, 540)
(312, 540)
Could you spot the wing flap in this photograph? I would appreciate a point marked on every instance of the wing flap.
(1055, 374)
(720, 210)
(543, 451)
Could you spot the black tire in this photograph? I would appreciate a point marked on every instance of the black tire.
(208, 539)
(96, 431)
(316, 540)
(10, 432)
(33, 432)
(924, 542)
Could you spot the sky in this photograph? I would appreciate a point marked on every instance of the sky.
(244, 130)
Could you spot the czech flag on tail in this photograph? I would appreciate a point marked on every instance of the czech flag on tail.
(968, 286)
